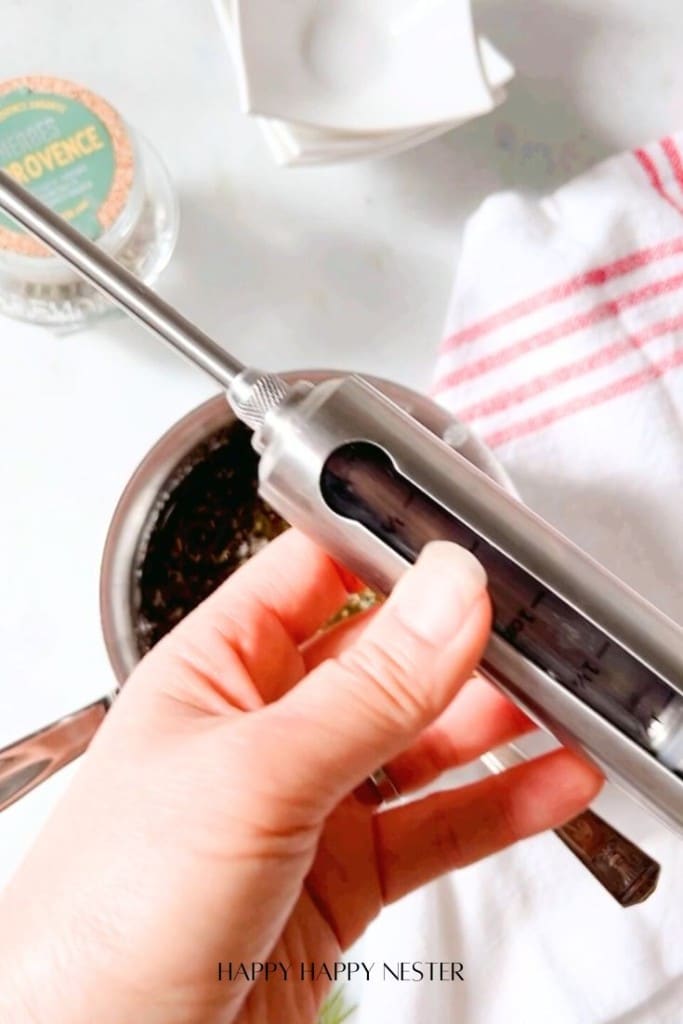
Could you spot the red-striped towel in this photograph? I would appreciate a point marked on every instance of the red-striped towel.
(564, 350)
(568, 310)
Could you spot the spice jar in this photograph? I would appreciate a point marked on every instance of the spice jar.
(73, 150)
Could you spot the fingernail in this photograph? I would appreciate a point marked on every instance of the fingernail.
(434, 597)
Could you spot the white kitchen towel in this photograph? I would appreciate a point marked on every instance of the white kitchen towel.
(564, 350)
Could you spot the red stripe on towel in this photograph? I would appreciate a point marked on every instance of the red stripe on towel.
(578, 322)
(589, 401)
(588, 279)
(650, 169)
(596, 360)
(674, 158)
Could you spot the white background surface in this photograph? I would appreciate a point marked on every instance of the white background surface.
(348, 267)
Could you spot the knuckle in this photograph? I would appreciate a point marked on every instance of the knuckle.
(442, 751)
(393, 676)
(478, 828)
(447, 840)
(509, 828)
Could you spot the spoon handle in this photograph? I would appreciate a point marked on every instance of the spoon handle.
(31, 760)
(627, 873)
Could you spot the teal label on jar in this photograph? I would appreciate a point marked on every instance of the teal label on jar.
(62, 151)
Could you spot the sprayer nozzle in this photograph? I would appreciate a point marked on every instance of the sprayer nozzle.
(252, 394)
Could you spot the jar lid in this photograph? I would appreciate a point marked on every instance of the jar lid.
(68, 147)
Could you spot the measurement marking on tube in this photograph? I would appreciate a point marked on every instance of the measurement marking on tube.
(360, 482)
(522, 619)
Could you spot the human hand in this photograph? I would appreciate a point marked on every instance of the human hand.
(216, 816)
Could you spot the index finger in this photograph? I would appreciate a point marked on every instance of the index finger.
(247, 633)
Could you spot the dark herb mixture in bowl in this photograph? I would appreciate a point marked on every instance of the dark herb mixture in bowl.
(207, 521)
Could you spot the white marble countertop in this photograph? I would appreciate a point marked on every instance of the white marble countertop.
(347, 267)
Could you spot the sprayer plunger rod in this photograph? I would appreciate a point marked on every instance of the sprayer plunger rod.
(117, 283)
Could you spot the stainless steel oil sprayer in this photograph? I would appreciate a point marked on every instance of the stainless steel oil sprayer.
(582, 653)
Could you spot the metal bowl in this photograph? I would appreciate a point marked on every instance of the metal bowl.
(130, 522)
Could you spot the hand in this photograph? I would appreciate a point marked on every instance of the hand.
(214, 817)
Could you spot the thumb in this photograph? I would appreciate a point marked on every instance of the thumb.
(357, 711)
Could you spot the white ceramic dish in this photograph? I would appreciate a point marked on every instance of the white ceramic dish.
(361, 66)
(288, 153)
(293, 144)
